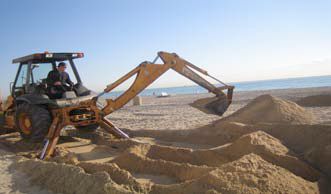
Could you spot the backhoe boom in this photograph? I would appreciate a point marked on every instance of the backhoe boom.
(147, 72)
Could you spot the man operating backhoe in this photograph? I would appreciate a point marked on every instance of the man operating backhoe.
(58, 81)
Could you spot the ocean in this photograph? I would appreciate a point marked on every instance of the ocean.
(302, 82)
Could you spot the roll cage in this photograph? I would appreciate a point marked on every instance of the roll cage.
(40, 58)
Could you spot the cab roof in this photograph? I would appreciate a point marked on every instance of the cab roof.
(47, 57)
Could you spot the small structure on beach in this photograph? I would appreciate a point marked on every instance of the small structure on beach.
(163, 95)
(137, 101)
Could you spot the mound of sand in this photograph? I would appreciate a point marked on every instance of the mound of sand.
(259, 142)
(215, 134)
(269, 109)
(310, 141)
(63, 178)
(136, 161)
(118, 175)
(249, 174)
(317, 100)
(255, 162)
(269, 146)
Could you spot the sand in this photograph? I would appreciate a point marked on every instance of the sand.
(249, 174)
(269, 109)
(268, 145)
(14, 181)
(316, 100)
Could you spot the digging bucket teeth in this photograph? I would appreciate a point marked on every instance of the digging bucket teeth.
(217, 105)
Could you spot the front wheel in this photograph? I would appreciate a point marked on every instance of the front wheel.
(32, 121)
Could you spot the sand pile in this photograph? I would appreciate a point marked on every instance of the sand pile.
(269, 109)
(12, 181)
(252, 163)
(118, 175)
(62, 178)
(136, 161)
(317, 100)
(215, 134)
(310, 141)
(260, 143)
(320, 156)
(266, 147)
(249, 174)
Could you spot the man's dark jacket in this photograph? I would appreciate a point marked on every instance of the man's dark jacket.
(55, 76)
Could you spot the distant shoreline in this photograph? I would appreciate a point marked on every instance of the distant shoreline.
(276, 79)
(260, 85)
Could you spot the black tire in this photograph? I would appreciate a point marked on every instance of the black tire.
(32, 121)
(2, 123)
(88, 128)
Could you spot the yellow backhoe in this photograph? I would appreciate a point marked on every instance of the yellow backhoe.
(32, 111)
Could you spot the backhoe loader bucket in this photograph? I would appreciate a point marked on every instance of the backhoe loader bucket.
(214, 105)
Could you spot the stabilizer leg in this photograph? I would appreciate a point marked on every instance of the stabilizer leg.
(52, 138)
(111, 128)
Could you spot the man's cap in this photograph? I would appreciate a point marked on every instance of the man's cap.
(61, 64)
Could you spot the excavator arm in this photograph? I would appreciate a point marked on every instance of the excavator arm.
(147, 72)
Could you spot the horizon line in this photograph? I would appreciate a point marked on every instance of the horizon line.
(229, 83)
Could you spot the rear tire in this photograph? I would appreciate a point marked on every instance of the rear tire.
(32, 121)
(2, 123)
(88, 128)
(2, 120)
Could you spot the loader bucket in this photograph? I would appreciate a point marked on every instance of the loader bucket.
(212, 105)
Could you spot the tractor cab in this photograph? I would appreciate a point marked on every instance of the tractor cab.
(30, 83)
(29, 108)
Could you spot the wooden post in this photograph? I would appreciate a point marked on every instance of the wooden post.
(137, 101)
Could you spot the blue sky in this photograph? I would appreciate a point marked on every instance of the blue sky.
(235, 40)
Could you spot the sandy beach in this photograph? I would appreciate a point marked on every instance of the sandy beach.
(165, 97)
(263, 144)
(176, 113)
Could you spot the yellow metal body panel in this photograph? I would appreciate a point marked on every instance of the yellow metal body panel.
(8, 114)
